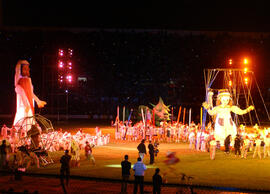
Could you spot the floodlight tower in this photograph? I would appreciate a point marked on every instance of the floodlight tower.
(65, 72)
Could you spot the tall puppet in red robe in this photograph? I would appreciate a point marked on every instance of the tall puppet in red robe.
(24, 93)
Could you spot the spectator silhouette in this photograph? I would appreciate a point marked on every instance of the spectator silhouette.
(139, 169)
(126, 166)
(157, 182)
(65, 169)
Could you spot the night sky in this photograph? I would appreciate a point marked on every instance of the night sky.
(186, 14)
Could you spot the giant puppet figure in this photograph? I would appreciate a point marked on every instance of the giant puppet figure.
(224, 124)
(24, 93)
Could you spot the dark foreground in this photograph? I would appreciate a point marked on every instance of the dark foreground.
(35, 184)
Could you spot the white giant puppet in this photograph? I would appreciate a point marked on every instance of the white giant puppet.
(24, 93)
(224, 124)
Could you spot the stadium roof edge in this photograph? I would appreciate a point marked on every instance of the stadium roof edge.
(138, 30)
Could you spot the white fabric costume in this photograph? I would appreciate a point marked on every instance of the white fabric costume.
(224, 124)
(24, 106)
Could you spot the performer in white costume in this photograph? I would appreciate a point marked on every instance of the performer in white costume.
(224, 124)
(24, 93)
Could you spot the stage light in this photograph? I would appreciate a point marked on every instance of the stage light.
(245, 70)
(69, 78)
(61, 64)
(246, 80)
(70, 51)
(230, 62)
(61, 52)
(230, 83)
(245, 61)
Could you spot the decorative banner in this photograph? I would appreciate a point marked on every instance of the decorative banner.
(201, 115)
(128, 122)
(184, 115)
(130, 115)
(189, 119)
(179, 113)
(172, 115)
(143, 123)
(153, 112)
(124, 109)
(142, 116)
(145, 119)
(117, 124)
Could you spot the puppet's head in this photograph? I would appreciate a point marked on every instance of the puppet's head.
(224, 97)
(21, 70)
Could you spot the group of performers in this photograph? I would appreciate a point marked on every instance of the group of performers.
(51, 142)
(251, 139)
(168, 132)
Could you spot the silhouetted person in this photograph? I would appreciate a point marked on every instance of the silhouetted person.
(156, 144)
(142, 149)
(65, 169)
(237, 145)
(157, 182)
(151, 152)
(126, 166)
(3, 154)
(139, 169)
(227, 143)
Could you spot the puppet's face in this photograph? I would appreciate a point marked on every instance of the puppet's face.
(225, 100)
(26, 70)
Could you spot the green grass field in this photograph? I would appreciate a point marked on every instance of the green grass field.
(224, 171)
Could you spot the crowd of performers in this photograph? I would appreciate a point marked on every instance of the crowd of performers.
(22, 151)
(255, 140)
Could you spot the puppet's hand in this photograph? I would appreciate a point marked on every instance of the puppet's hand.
(210, 93)
(205, 105)
(41, 104)
(250, 108)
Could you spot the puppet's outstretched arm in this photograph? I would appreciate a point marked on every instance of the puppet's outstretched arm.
(39, 102)
(239, 111)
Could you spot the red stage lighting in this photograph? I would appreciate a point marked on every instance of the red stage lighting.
(230, 62)
(65, 78)
(70, 52)
(246, 80)
(61, 64)
(69, 78)
(245, 61)
(61, 52)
